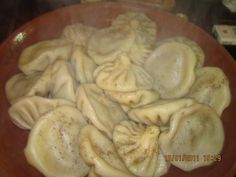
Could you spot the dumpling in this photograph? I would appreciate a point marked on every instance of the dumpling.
(63, 83)
(83, 65)
(194, 130)
(21, 85)
(38, 56)
(194, 46)
(53, 144)
(212, 88)
(78, 33)
(158, 112)
(123, 76)
(107, 43)
(138, 146)
(26, 111)
(145, 34)
(135, 98)
(172, 66)
(99, 152)
(98, 108)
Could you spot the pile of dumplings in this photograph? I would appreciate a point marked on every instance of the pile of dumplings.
(115, 102)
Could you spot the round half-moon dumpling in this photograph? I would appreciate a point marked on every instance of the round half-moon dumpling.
(135, 98)
(78, 33)
(121, 75)
(53, 144)
(145, 34)
(172, 66)
(107, 43)
(38, 56)
(102, 112)
(83, 65)
(194, 46)
(21, 85)
(99, 152)
(63, 83)
(159, 112)
(138, 146)
(195, 130)
(27, 110)
(212, 88)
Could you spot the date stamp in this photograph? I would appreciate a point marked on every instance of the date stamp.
(194, 158)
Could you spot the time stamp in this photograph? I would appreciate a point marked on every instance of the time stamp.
(194, 158)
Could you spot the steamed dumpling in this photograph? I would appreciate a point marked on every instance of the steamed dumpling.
(194, 130)
(63, 82)
(135, 98)
(83, 65)
(53, 144)
(78, 33)
(138, 146)
(158, 112)
(26, 111)
(21, 85)
(212, 88)
(99, 152)
(121, 75)
(107, 43)
(145, 34)
(38, 56)
(102, 112)
(194, 46)
(172, 66)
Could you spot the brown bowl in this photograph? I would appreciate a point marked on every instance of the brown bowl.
(13, 139)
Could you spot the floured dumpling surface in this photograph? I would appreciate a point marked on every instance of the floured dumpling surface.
(159, 112)
(102, 112)
(138, 147)
(26, 111)
(198, 51)
(78, 33)
(172, 66)
(38, 56)
(21, 85)
(122, 75)
(212, 88)
(63, 83)
(106, 44)
(83, 65)
(195, 130)
(135, 98)
(53, 144)
(145, 34)
(99, 152)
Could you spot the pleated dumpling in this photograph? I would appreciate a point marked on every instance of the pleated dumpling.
(82, 64)
(99, 152)
(102, 112)
(135, 98)
(159, 112)
(212, 88)
(21, 85)
(121, 75)
(38, 56)
(138, 146)
(78, 33)
(194, 130)
(53, 144)
(145, 31)
(26, 111)
(107, 43)
(63, 82)
(172, 66)
(198, 51)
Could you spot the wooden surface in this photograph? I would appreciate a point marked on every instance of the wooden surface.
(13, 140)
